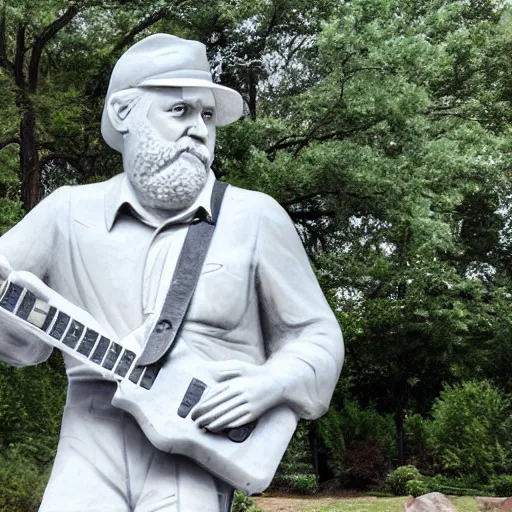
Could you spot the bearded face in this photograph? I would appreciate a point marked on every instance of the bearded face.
(167, 175)
(166, 151)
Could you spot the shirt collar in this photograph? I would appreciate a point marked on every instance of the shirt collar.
(121, 193)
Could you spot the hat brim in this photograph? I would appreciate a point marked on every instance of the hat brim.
(229, 105)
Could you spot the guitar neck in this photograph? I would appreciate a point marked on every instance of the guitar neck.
(107, 356)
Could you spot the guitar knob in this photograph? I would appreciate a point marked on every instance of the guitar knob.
(240, 434)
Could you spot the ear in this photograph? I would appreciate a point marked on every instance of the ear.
(119, 106)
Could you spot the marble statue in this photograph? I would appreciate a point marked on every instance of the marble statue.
(89, 271)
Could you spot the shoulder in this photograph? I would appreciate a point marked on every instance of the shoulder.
(255, 203)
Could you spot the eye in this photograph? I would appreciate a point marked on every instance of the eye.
(178, 110)
(208, 115)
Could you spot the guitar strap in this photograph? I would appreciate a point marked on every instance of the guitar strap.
(184, 281)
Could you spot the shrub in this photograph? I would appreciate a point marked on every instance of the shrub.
(243, 503)
(416, 487)
(298, 483)
(21, 482)
(359, 442)
(365, 463)
(502, 485)
(470, 430)
(396, 482)
(457, 486)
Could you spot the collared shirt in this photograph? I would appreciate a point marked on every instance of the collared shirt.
(169, 234)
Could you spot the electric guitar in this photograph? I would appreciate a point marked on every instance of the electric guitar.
(160, 397)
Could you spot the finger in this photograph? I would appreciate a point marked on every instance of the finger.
(211, 402)
(223, 422)
(5, 268)
(228, 374)
(219, 411)
(247, 418)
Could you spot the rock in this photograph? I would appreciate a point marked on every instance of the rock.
(489, 504)
(431, 502)
(506, 506)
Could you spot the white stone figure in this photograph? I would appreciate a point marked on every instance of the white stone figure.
(107, 253)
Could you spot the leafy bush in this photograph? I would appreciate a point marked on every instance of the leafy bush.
(243, 503)
(416, 487)
(457, 486)
(21, 482)
(470, 430)
(298, 483)
(396, 482)
(359, 443)
(502, 485)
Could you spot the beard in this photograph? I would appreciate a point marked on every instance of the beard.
(166, 175)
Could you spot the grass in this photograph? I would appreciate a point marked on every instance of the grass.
(466, 504)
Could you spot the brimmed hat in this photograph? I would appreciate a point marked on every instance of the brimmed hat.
(162, 60)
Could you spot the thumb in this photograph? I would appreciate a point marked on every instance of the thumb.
(5, 268)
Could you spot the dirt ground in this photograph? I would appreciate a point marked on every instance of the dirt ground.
(291, 504)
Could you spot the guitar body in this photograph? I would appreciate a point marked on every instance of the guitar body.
(160, 398)
(163, 413)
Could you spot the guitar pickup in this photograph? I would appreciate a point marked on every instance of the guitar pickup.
(192, 396)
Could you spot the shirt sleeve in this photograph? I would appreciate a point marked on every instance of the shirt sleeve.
(30, 246)
(302, 335)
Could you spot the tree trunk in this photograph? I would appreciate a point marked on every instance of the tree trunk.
(252, 80)
(399, 424)
(30, 169)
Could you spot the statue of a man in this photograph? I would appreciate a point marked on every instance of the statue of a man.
(111, 249)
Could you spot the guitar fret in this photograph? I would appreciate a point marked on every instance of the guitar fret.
(73, 334)
(88, 342)
(100, 350)
(125, 362)
(49, 319)
(60, 325)
(113, 353)
(27, 303)
(11, 297)
(136, 373)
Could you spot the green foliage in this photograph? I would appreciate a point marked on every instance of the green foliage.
(243, 503)
(470, 430)
(359, 442)
(502, 485)
(22, 482)
(396, 482)
(457, 486)
(416, 488)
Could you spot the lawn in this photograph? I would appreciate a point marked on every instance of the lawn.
(364, 504)
(385, 505)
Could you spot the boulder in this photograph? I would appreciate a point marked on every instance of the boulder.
(490, 504)
(431, 502)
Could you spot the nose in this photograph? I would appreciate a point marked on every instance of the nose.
(198, 129)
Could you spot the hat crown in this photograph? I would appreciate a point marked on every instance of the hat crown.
(160, 55)
(164, 60)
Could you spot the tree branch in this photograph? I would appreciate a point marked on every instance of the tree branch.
(315, 215)
(8, 142)
(304, 141)
(46, 35)
(70, 158)
(20, 56)
(127, 39)
(4, 61)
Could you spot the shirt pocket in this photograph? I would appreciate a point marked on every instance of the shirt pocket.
(221, 297)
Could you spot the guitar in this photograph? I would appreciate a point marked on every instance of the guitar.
(160, 397)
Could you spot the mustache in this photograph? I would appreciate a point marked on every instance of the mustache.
(186, 145)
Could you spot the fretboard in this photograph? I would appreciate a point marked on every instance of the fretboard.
(74, 338)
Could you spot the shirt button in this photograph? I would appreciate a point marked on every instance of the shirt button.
(162, 326)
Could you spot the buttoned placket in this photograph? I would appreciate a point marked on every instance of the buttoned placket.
(161, 259)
